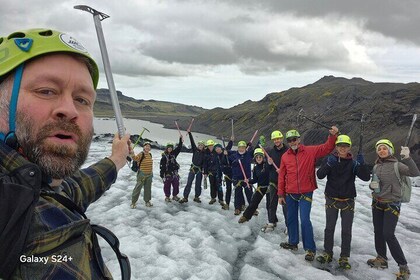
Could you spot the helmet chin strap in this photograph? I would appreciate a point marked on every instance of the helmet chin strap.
(10, 138)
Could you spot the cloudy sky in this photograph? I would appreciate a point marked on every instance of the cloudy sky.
(221, 53)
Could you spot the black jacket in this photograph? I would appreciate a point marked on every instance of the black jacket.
(260, 174)
(168, 164)
(340, 177)
(199, 157)
(275, 154)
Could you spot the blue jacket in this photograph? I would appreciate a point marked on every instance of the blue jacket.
(246, 160)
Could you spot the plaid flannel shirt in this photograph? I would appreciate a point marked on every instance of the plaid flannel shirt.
(57, 232)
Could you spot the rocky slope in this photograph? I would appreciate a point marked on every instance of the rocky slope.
(389, 108)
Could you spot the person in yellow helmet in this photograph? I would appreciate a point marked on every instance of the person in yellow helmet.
(341, 170)
(296, 185)
(241, 159)
(386, 203)
(275, 154)
(47, 92)
(169, 168)
(260, 176)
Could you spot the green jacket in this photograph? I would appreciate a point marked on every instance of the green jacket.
(59, 242)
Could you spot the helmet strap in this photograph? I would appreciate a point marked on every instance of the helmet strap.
(10, 138)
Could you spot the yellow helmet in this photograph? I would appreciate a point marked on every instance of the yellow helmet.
(343, 139)
(276, 134)
(258, 152)
(210, 142)
(385, 142)
(241, 144)
(292, 133)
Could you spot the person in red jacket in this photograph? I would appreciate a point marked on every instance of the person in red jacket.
(296, 184)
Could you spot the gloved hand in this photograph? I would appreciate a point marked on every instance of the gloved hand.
(374, 185)
(331, 161)
(360, 159)
(405, 152)
(262, 140)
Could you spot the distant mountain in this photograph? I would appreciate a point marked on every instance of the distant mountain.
(332, 101)
(151, 110)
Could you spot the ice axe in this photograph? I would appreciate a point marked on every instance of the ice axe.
(177, 126)
(243, 173)
(97, 18)
(140, 135)
(231, 120)
(410, 131)
(189, 127)
(268, 157)
(253, 136)
(362, 129)
(301, 115)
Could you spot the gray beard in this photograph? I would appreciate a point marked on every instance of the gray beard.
(55, 161)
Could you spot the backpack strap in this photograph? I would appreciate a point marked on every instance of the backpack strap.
(106, 234)
(397, 171)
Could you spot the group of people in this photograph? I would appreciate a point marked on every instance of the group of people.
(47, 92)
(287, 176)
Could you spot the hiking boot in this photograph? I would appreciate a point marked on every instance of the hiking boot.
(168, 199)
(378, 262)
(242, 220)
(237, 212)
(256, 212)
(404, 273)
(183, 200)
(221, 202)
(133, 205)
(175, 197)
(225, 207)
(325, 258)
(149, 204)
(288, 246)
(212, 201)
(343, 263)
(268, 227)
(197, 199)
(310, 256)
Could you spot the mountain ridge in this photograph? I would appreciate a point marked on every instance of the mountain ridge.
(330, 100)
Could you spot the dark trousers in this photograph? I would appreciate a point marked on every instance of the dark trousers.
(255, 201)
(216, 186)
(228, 194)
(272, 200)
(346, 209)
(385, 218)
(171, 180)
(198, 178)
(239, 195)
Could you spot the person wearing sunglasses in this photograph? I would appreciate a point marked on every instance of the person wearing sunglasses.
(341, 170)
(296, 184)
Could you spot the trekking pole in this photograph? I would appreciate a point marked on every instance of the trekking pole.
(312, 120)
(407, 140)
(97, 18)
(243, 173)
(253, 136)
(141, 134)
(231, 119)
(189, 127)
(177, 126)
(268, 157)
(362, 129)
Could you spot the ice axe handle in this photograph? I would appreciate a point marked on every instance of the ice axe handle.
(410, 131)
